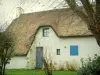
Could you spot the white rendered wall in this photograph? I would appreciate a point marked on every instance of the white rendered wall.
(87, 47)
(17, 62)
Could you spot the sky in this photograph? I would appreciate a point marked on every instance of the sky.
(10, 9)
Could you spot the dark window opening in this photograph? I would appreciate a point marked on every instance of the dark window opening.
(45, 32)
(58, 51)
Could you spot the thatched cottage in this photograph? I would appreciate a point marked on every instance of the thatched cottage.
(58, 35)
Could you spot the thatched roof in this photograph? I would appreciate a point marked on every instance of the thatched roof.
(63, 21)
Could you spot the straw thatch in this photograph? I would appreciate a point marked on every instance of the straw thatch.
(63, 21)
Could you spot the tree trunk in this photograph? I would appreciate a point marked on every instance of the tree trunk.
(91, 16)
(96, 34)
(4, 69)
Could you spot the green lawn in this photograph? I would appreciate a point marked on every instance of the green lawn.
(37, 72)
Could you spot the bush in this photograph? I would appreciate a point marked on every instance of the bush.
(71, 66)
(90, 66)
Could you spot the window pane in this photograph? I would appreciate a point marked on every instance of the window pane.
(45, 32)
(58, 51)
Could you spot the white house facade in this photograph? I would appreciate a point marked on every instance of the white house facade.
(59, 50)
(60, 36)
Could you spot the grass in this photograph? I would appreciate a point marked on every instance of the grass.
(36, 72)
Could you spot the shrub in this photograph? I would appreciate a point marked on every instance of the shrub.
(90, 66)
(61, 68)
(47, 67)
(71, 66)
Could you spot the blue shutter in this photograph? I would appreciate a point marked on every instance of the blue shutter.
(74, 50)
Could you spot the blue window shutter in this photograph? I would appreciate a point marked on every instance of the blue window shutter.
(74, 50)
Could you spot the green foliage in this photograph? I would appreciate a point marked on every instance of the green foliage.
(5, 51)
(5, 41)
(90, 66)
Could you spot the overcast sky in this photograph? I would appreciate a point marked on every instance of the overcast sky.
(10, 8)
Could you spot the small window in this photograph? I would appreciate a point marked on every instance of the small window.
(58, 51)
(74, 50)
(45, 32)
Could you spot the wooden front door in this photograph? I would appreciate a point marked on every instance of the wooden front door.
(39, 57)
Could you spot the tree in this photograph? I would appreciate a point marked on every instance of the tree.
(89, 12)
(5, 51)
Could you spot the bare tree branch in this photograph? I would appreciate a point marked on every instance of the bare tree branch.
(90, 12)
(78, 10)
(91, 15)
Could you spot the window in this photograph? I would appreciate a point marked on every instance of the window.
(45, 32)
(58, 51)
(74, 50)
